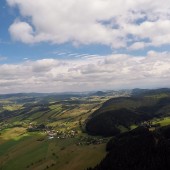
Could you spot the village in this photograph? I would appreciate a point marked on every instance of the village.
(66, 134)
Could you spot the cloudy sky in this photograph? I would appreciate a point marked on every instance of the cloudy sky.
(84, 45)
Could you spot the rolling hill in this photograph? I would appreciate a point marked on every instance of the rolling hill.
(120, 114)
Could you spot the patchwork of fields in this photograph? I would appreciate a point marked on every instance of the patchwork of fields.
(40, 133)
(20, 149)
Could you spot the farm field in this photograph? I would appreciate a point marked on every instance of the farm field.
(36, 151)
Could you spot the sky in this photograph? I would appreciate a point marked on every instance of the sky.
(84, 45)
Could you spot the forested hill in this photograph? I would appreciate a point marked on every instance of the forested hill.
(120, 114)
(138, 149)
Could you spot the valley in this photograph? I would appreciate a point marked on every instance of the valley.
(48, 133)
(72, 132)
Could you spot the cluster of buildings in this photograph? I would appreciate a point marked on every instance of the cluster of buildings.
(61, 134)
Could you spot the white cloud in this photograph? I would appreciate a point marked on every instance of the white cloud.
(90, 73)
(137, 46)
(92, 21)
(22, 31)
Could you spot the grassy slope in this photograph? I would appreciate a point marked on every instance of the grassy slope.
(163, 122)
(26, 152)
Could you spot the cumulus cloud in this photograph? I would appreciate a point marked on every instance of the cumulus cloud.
(137, 46)
(22, 31)
(90, 73)
(113, 23)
